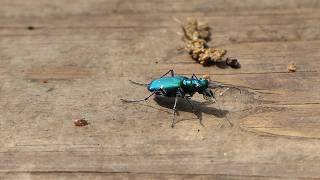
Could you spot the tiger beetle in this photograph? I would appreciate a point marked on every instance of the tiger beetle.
(183, 87)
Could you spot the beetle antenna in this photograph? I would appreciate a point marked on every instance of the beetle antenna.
(215, 84)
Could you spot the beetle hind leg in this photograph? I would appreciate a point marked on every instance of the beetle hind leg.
(140, 84)
(139, 100)
(171, 73)
(174, 111)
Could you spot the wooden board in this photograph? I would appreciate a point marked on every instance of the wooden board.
(64, 60)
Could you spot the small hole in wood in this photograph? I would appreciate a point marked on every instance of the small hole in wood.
(30, 28)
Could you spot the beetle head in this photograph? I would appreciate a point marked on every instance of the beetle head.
(201, 84)
(202, 87)
(208, 94)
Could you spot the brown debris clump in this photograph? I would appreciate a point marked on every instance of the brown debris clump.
(196, 37)
(292, 67)
(80, 122)
(233, 62)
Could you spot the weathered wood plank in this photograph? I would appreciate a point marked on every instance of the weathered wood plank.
(142, 176)
(77, 61)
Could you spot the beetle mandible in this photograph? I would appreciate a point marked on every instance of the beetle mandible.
(180, 86)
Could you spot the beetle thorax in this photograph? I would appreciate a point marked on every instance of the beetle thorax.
(195, 85)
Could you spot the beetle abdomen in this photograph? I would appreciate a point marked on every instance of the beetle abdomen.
(168, 84)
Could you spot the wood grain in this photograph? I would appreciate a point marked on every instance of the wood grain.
(76, 62)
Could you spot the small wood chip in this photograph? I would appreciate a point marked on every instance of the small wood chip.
(292, 67)
(80, 122)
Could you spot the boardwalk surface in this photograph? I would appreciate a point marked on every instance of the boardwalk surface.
(61, 60)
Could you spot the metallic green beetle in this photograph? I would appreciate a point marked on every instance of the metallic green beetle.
(181, 86)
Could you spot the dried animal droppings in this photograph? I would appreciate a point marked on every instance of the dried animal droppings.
(233, 62)
(292, 67)
(196, 36)
(211, 54)
(80, 122)
(45, 81)
(195, 31)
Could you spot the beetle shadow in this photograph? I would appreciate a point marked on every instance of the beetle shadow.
(183, 105)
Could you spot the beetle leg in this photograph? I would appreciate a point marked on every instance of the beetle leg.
(192, 106)
(164, 93)
(140, 84)
(125, 100)
(174, 111)
(194, 76)
(194, 110)
(170, 71)
(186, 97)
(181, 92)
